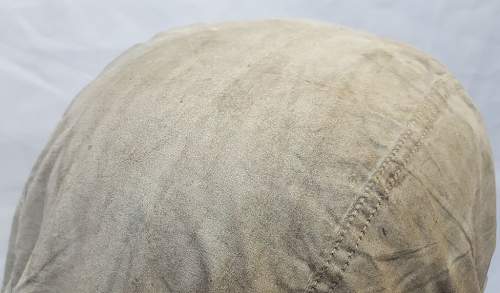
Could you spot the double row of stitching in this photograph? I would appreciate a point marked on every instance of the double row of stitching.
(389, 173)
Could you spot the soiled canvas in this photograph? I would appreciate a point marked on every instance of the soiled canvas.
(271, 156)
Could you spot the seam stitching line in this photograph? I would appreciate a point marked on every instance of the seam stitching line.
(380, 183)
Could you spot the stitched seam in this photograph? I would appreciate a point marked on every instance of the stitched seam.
(381, 182)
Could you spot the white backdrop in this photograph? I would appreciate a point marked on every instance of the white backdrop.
(50, 49)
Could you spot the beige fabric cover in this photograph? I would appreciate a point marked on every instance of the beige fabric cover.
(272, 156)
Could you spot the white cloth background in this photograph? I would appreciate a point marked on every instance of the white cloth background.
(50, 49)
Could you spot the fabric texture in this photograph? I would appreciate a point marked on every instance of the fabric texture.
(268, 156)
